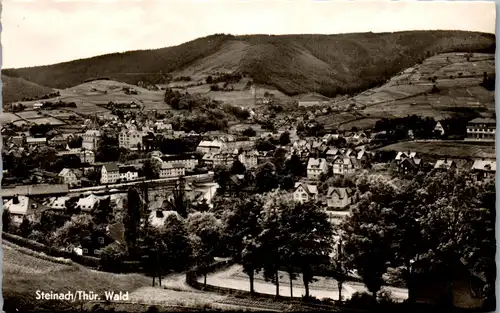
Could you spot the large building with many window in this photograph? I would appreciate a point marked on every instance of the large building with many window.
(481, 129)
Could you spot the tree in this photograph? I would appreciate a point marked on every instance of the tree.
(151, 169)
(132, 217)
(238, 167)
(72, 206)
(250, 132)
(273, 237)
(6, 220)
(175, 246)
(222, 176)
(285, 138)
(103, 213)
(178, 201)
(295, 166)
(310, 239)
(279, 158)
(241, 231)
(265, 177)
(108, 149)
(73, 231)
(205, 233)
(25, 227)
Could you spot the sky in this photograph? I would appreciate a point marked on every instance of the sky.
(41, 32)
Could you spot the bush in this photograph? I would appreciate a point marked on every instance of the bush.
(362, 300)
(112, 257)
(384, 297)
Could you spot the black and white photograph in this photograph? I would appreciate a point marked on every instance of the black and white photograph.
(248, 156)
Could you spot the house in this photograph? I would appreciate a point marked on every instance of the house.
(214, 146)
(87, 156)
(58, 141)
(190, 161)
(332, 154)
(485, 168)
(345, 165)
(110, 173)
(463, 289)
(211, 160)
(403, 155)
(128, 173)
(90, 139)
(481, 129)
(93, 243)
(130, 139)
(19, 207)
(305, 192)
(33, 141)
(88, 203)
(316, 167)
(409, 166)
(338, 198)
(158, 216)
(445, 164)
(172, 170)
(249, 158)
(69, 176)
(37, 106)
(162, 127)
(439, 128)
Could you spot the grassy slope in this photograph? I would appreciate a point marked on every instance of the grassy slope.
(454, 149)
(15, 89)
(23, 275)
(292, 63)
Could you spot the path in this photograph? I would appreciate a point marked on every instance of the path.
(324, 288)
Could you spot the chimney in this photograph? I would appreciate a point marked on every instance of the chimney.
(15, 200)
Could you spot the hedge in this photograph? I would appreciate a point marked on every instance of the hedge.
(89, 261)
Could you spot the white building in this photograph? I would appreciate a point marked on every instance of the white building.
(128, 173)
(338, 198)
(130, 139)
(90, 139)
(316, 167)
(110, 173)
(69, 176)
(88, 203)
(345, 165)
(481, 129)
(249, 158)
(87, 156)
(214, 146)
(190, 161)
(304, 192)
(19, 207)
(439, 128)
(172, 170)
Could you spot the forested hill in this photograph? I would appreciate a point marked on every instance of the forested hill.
(328, 64)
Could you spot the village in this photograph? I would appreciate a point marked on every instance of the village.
(345, 172)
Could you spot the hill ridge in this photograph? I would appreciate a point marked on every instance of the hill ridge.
(294, 64)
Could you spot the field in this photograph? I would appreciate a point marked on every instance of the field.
(457, 149)
(15, 89)
(7, 117)
(410, 92)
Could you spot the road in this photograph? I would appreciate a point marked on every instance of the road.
(230, 278)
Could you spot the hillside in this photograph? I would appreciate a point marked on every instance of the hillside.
(457, 78)
(15, 89)
(327, 64)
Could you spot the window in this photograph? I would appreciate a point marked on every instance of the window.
(101, 240)
(85, 250)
